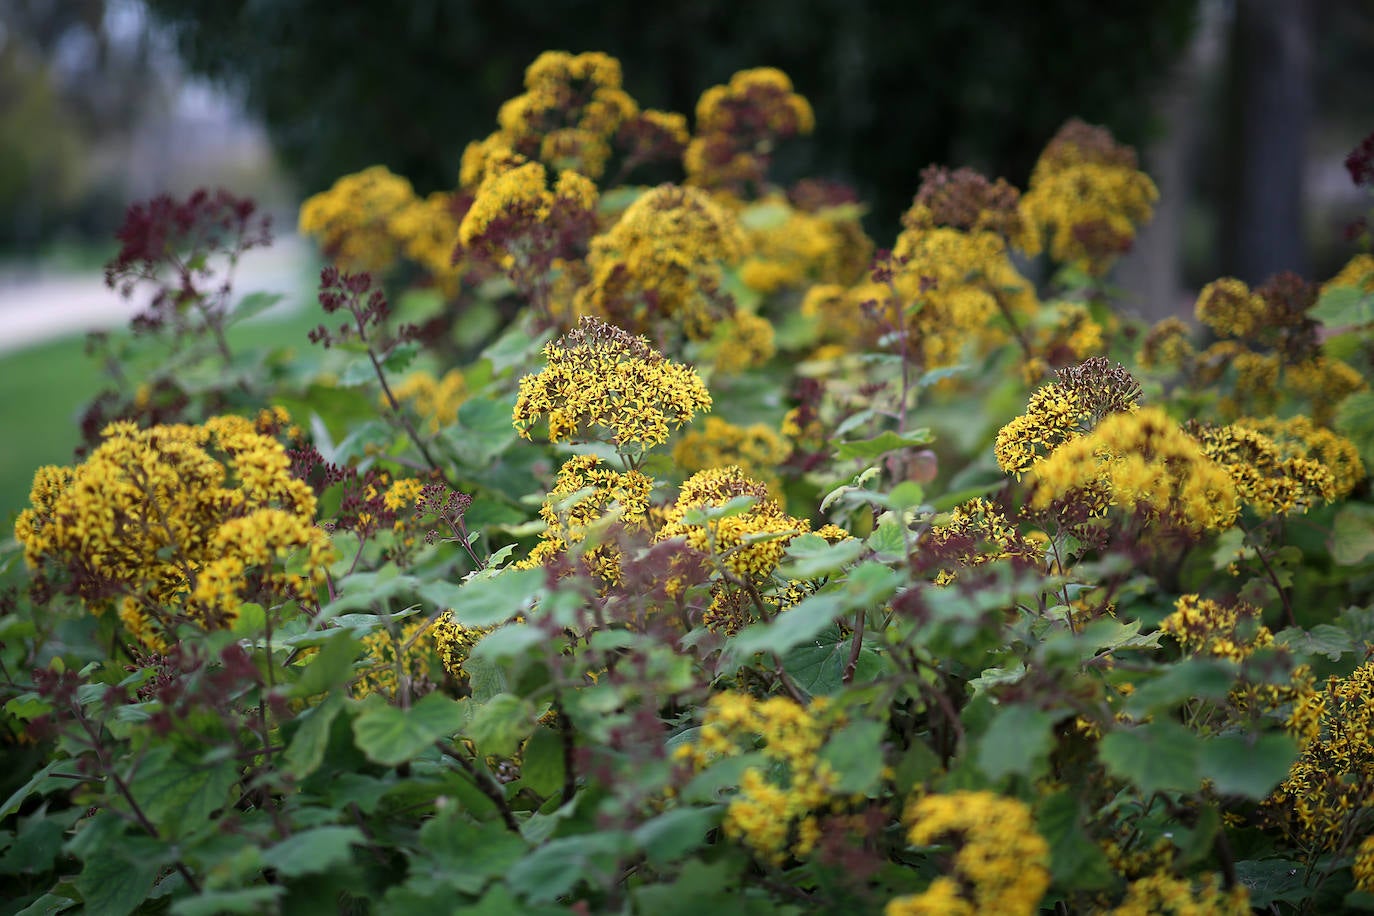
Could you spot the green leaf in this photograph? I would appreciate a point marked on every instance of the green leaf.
(769, 214)
(330, 668)
(1076, 862)
(1155, 757)
(818, 668)
(48, 905)
(1355, 421)
(486, 601)
(392, 736)
(178, 793)
(1272, 881)
(305, 753)
(881, 444)
(401, 356)
(1343, 307)
(866, 585)
(1017, 740)
(1352, 534)
(735, 505)
(856, 754)
(40, 783)
(559, 865)
(113, 883)
(466, 854)
(675, 833)
(811, 557)
(511, 641)
(255, 304)
(500, 724)
(1245, 765)
(36, 844)
(1323, 639)
(243, 900)
(315, 850)
(887, 541)
(1192, 678)
(541, 762)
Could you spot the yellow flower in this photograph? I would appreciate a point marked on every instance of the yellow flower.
(601, 383)
(353, 219)
(757, 450)
(436, 401)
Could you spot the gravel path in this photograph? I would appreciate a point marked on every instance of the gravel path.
(35, 309)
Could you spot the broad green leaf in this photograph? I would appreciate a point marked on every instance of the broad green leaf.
(541, 762)
(510, 641)
(735, 505)
(856, 754)
(675, 833)
(1343, 307)
(866, 585)
(254, 304)
(305, 753)
(1076, 862)
(1156, 757)
(1016, 742)
(486, 601)
(499, 725)
(769, 214)
(810, 556)
(1240, 765)
(467, 854)
(114, 883)
(392, 736)
(881, 444)
(818, 667)
(315, 850)
(887, 541)
(214, 903)
(330, 668)
(559, 865)
(1191, 678)
(401, 356)
(48, 905)
(1355, 421)
(176, 793)
(1352, 533)
(1323, 639)
(1272, 881)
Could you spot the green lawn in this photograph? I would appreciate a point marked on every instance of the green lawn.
(44, 389)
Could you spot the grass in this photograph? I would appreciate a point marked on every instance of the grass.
(43, 390)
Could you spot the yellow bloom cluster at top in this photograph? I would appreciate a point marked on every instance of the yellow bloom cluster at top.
(1163, 893)
(738, 125)
(1085, 200)
(775, 811)
(1000, 862)
(367, 220)
(521, 195)
(603, 384)
(180, 524)
(659, 270)
(1269, 480)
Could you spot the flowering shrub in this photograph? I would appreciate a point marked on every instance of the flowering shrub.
(738, 565)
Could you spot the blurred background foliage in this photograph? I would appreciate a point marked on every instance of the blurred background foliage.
(896, 85)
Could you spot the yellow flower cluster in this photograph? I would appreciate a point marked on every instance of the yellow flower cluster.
(1067, 332)
(601, 383)
(1204, 627)
(1228, 307)
(791, 248)
(183, 524)
(1330, 788)
(1269, 481)
(1062, 411)
(750, 544)
(756, 450)
(1143, 462)
(775, 810)
(979, 532)
(739, 124)
(999, 864)
(436, 401)
(571, 108)
(659, 270)
(1358, 273)
(596, 491)
(1299, 437)
(510, 201)
(427, 231)
(353, 219)
(1363, 869)
(1085, 200)
(742, 342)
(412, 646)
(1162, 893)
(454, 643)
(1168, 345)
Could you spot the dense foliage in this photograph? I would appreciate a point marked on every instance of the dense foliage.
(656, 549)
